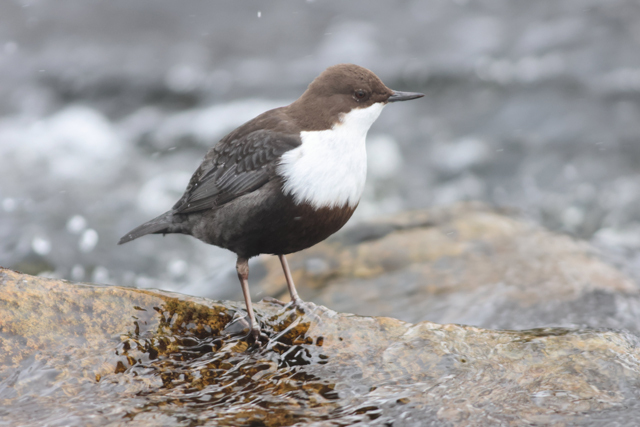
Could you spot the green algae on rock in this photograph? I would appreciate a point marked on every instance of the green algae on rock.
(81, 354)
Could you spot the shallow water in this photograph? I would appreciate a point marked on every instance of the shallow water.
(529, 105)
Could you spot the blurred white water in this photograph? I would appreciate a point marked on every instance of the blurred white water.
(75, 143)
(107, 108)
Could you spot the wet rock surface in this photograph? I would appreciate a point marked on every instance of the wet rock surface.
(78, 354)
(107, 108)
(467, 264)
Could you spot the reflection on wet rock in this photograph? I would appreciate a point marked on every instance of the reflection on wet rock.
(91, 355)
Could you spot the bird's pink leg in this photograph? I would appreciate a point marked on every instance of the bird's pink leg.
(295, 299)
(242, 267)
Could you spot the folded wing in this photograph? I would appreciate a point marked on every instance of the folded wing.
(236, 166)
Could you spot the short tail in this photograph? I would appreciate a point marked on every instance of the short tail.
(161, 224)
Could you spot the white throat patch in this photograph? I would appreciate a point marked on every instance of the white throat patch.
(329, 169)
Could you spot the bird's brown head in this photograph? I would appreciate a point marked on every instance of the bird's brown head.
(338, 90)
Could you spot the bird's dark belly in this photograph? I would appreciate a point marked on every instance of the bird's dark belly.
(270, 225)
(295, 228)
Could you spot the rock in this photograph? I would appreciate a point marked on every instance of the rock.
(79, 354)
(466, 264)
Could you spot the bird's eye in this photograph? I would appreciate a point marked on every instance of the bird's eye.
(360, 94)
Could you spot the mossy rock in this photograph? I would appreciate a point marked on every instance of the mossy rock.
(80, 354)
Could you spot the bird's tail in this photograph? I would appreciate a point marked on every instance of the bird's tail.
(161, 224)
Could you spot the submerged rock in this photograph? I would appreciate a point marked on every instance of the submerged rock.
(463, 264)
(78, 354)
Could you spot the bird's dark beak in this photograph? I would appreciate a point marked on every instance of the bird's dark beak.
(404, 96)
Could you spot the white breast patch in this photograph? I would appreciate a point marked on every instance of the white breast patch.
(329, 169)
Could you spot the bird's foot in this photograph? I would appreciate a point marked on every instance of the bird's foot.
(240, 324)
(308, 309)
(257, 338)
(305, 307)
(274, 301)
(297, 304)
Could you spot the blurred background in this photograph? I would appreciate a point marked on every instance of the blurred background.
(107, 107)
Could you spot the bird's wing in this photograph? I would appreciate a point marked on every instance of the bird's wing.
(237, 165)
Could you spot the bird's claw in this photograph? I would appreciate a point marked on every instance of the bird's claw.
(257, 338)
(274, 301)
(305, 307)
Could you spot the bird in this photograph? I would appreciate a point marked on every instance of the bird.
(285, 180)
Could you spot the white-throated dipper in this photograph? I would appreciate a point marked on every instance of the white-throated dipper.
(285, 180)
